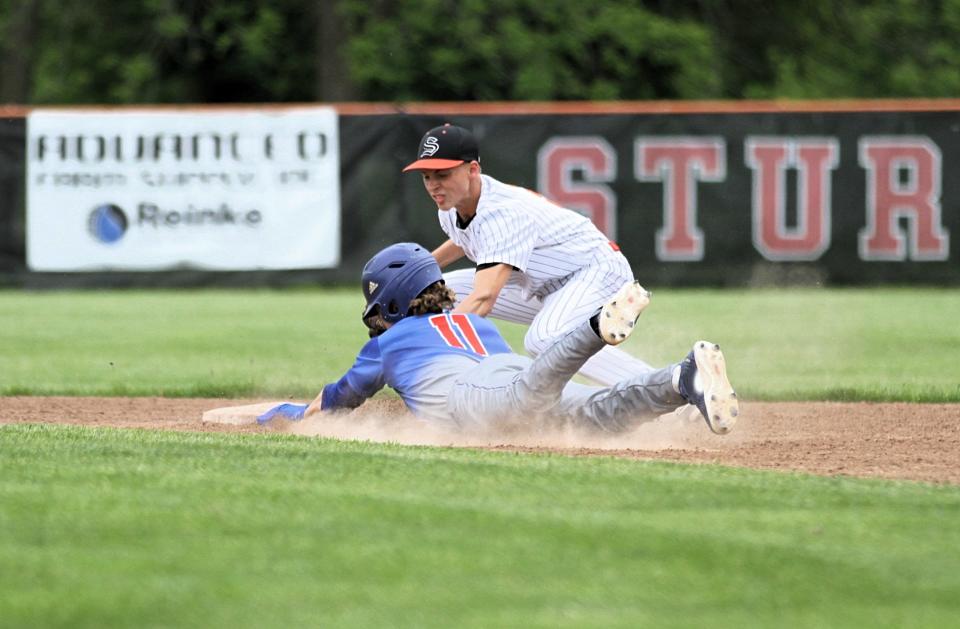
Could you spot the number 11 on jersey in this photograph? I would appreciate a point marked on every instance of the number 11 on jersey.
(449, 325)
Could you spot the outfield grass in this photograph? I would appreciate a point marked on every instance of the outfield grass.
(110, 528)
(828, 344)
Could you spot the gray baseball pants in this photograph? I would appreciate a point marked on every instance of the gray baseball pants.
(511, 390)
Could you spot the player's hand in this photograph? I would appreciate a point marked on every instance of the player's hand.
(289, 411)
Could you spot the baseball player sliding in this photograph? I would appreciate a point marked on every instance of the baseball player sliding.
(536, 262)
(455, 369)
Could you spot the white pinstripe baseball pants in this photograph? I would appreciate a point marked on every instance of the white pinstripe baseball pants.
(581, 295)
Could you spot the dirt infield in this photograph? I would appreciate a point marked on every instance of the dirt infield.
(896, 441)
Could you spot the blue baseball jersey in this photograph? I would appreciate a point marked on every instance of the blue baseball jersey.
(420, 358)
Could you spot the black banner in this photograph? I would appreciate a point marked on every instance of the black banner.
(12, 173)
(836, 197)
(720, 199)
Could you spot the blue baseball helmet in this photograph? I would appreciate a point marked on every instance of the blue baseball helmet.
(394, 277)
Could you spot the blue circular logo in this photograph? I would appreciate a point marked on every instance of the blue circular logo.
(107, 223)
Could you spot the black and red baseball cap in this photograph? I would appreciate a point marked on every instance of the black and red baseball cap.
(445, 146)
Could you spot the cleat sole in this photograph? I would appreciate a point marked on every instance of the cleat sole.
(723, 406)
(619, 316)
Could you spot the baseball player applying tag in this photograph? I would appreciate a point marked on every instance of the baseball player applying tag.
(536, 263)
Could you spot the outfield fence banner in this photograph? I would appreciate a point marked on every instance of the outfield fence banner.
(718, 198)
(695, 194)
(163, 190)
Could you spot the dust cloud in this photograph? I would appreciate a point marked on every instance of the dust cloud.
(387, 421)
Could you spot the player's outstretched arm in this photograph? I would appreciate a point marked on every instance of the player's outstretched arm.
(361, 382)
(447, 253)
(487, 284)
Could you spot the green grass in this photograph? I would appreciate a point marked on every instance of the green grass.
(827, 344)
(112, 528)
(129, 528)
(193, 343)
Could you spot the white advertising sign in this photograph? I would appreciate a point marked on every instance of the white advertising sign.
(152, 191)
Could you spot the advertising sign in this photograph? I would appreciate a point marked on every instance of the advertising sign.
(163, 190)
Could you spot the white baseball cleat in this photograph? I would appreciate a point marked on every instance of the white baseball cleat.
(619, 315)
(704, 383)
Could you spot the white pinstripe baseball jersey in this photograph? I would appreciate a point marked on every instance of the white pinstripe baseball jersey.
(524, 229)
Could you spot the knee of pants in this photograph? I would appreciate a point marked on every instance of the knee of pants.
(535, 343)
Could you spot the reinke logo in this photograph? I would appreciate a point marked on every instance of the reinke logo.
(107, 223)
(430, 146)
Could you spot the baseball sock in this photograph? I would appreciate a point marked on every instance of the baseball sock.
(595, 325)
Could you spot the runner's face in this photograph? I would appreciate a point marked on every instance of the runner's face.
(450, 187)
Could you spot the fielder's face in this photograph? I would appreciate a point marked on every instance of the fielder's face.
(451, 187)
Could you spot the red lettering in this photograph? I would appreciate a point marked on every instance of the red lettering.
(813, 159)
(903, 182)
(680, 162)
(594, 160)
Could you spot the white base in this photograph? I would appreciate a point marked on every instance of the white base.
(238, 415)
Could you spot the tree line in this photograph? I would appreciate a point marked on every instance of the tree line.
(216, 51)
